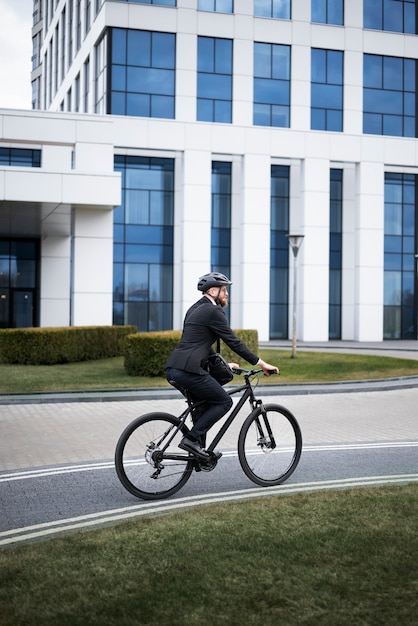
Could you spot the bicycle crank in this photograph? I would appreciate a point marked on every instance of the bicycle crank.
(210, 464)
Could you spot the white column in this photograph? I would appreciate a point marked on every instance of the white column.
(300, 85)
(192, 230)
(348, 253)
(92, 267)
(252, 279)
(243, 65)
(369, 246)
(55, 281)
(186, 69)
(313, 273)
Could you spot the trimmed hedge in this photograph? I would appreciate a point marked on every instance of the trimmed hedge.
(146, 353)
(49, 346)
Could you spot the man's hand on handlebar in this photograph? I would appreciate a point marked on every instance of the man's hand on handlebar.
(267, 368)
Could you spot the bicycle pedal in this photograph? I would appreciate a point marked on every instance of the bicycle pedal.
(215, 454)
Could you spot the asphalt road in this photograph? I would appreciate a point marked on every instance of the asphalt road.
(57, 473)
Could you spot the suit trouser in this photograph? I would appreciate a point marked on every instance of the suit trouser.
(203, 387)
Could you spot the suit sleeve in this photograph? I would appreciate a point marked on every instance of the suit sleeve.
(222, 329)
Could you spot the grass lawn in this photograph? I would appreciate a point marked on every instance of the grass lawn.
(110, 373)
(329, 558)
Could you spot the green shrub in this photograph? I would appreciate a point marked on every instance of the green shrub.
(48, 346)
(249, 337)
(146, 353)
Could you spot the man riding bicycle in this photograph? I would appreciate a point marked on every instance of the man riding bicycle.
(204, 323)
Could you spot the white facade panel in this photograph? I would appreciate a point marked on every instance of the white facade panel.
(92, 279)
(55, 281)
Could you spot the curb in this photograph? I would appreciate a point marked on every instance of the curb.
(286, 389)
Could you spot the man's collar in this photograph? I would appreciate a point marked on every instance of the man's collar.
(206, 295)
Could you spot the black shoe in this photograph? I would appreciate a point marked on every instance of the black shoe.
(217, 454)
(194, 448)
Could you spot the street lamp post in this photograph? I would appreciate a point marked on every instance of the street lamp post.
(295, 242)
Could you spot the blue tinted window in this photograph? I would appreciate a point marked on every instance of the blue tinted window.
(271, 85)
(272, 8)
(143, 73)
(143, 243)
(326, 90)
(219, 6)
(221, 218)
(389, 96)
(20, 157)
(327, 11)
(279, 251)
(166, 3)
(214, 80)
(392, 15)
(335, 253)
(399, 259)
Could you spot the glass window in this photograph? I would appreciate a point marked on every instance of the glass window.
(221, 217)
(272, 8)
(326, 90)
(214, 80)
(19, 278)
(335, 251)
(166, 3)
(101, 76)
(389, 96)
(143, 73)
(20, 157)
(327, 11)
(399, 317)
(143, 248)
(271, 85)
(392, 15)
(218, 6)
(279, 251)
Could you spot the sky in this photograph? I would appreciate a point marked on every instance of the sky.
(15, 53)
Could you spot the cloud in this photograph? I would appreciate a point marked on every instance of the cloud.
(15, 53)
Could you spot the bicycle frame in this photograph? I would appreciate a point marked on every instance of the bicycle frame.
(247, 395)
(265, 429)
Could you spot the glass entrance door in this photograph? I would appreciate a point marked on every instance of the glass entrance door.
(19, 283)
(17, 308)
(22, 309)
(4, 307)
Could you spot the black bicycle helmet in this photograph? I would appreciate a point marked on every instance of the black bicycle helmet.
(213, 279)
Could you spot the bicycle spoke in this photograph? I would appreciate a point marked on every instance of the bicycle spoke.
(269, 445)
(140, 457)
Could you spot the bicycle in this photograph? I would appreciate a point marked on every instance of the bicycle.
(150, 465)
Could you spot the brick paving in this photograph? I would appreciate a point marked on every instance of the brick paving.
(37, 435)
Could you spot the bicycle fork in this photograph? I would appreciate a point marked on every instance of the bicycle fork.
(265, 438)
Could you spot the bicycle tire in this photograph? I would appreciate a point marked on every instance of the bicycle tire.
(269, 458)
(137, 454)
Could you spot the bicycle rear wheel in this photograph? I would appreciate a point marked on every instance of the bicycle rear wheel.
(147, 459)
(269, 445)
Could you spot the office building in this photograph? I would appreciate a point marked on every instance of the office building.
(169, 138)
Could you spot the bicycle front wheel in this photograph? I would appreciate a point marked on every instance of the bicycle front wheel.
(269, 445)
(147, 459)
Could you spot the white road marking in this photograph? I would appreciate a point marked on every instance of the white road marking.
(48, 529)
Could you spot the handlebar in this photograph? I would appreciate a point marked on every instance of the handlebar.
(241, 370)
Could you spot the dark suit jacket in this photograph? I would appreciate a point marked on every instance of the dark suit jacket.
(203, 324)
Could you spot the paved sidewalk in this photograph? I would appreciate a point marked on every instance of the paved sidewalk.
(57, 431)
(81, 432)
(407, 349)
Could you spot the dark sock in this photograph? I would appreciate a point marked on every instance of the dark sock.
(191, 438)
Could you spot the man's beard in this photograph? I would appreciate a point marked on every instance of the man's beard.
(223, 301)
